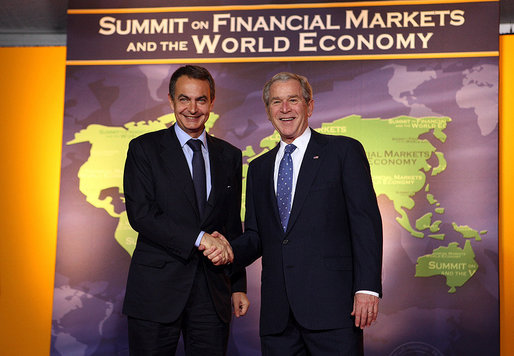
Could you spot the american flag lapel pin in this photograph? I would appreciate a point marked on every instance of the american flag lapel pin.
(315, 157)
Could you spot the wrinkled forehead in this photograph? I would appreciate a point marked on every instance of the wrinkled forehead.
(285, 89)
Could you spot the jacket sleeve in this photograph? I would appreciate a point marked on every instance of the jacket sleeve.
(233, 224)
(176, 233)
(247, 247)
(364, 218)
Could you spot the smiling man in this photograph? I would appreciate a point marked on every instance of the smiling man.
(312, 215)
(180, 185)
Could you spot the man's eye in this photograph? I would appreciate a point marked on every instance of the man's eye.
(275, 102)
(183, 100)
(293, 101)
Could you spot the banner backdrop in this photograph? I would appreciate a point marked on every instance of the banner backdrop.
(415, 82)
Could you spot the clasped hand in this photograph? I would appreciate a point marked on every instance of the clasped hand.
(216, 248)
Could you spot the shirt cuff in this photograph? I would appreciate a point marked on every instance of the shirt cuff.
(199, 238)
(367, 292)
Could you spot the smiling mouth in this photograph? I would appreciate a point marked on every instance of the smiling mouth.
(286, 119)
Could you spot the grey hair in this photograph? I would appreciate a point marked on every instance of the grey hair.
(283, 76)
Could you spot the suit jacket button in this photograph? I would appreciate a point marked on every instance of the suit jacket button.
(285, 242)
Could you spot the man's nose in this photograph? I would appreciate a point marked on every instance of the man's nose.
(192, 106)
(284, 107)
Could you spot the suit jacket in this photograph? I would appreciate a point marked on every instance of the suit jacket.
(333, 243)
(161, 207)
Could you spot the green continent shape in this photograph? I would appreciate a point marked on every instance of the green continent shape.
(467, 232)
(435, 226)
(396, 153)
(436, 236)
(104, 167)
(455, 264)
(442, 164)
(430, 198)
(424, 222)
(248, 152)
(267, 144)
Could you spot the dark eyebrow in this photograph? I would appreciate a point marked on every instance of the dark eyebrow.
(203, 97)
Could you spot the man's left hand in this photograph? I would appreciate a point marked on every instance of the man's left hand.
(241, 303)
(365, 309)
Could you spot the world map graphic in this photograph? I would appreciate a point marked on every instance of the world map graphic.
(422, 153)
(398, 161)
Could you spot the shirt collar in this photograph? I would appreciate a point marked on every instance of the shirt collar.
(183, 137)
(300, 142)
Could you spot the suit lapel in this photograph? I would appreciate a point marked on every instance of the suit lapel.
(268, 171)
(216, 161)
(308, 171)
(176, 164)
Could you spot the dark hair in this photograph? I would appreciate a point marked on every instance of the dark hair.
(194, 72)
(283, 76)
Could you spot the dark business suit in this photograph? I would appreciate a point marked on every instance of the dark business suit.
(161, 207)
(333, 243)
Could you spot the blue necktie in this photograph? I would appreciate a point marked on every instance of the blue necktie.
(285, 185)
(198, 174)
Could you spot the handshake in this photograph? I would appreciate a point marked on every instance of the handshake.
(216, 248)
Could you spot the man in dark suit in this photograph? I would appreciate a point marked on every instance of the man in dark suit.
(312, 214)
(181, 184)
